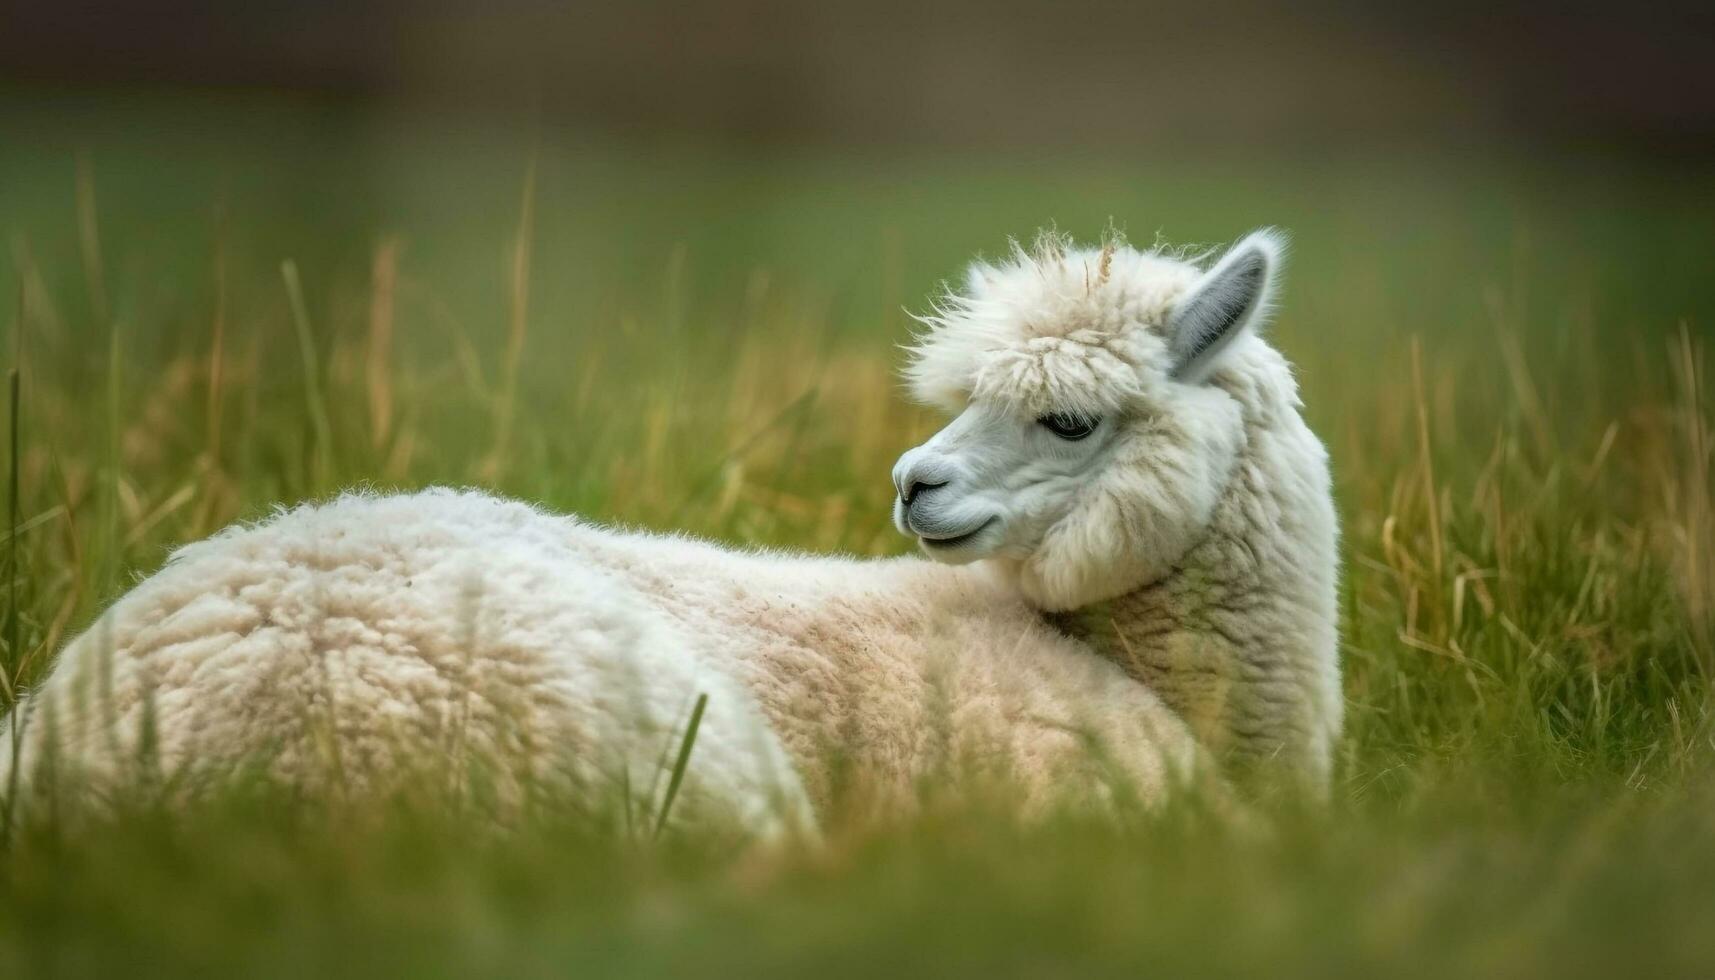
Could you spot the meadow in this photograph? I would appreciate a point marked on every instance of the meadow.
(215, 308)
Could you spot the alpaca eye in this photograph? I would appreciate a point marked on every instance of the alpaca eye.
(1068, 425)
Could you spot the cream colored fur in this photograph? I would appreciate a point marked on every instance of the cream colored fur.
(1180, 601)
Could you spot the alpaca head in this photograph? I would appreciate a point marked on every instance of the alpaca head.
(1092, 435)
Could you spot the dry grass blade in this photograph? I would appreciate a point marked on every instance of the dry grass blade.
(518, 321)
(315, 403)
(14, 530)
(378, 359)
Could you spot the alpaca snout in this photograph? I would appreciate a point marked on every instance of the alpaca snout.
(920, 477)
(932, 505)
(920, 471)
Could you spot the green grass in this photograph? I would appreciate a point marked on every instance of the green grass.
(218, 308)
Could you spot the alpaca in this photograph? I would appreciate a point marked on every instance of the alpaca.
(1132, 547)
(1128, 452)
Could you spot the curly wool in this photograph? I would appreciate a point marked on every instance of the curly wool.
(360, 637)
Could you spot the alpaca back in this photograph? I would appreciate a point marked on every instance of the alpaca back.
(357, 641)
(900, 672)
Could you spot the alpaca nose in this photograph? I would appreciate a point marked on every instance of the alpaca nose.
(916, 473)
(915, 487)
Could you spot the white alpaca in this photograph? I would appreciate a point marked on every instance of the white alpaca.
(1154, 570)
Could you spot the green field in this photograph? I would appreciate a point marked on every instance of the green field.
(216, 308)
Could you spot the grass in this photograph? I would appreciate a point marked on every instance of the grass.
(214, 311)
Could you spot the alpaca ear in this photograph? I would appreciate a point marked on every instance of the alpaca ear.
(1232, 297)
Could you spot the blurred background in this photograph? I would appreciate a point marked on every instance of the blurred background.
(952, 73)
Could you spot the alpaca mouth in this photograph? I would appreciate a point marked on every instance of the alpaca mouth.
(954, 541)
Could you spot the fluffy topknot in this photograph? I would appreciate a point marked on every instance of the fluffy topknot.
(1052, 328)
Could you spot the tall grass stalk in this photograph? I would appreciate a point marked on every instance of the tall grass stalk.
(315, 403)
(14, 529)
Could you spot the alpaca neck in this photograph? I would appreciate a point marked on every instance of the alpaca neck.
(1239, 639)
